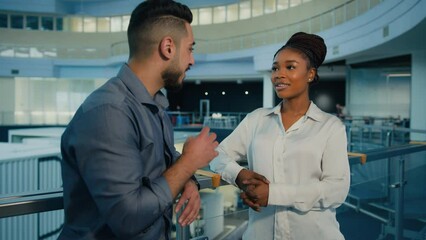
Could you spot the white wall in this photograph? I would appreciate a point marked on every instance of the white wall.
(42, 100)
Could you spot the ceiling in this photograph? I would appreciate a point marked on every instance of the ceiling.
(395, 49)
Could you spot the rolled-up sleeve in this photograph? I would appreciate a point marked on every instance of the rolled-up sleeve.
(232, 149)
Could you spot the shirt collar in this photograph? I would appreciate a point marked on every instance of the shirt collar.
(313, 112)
(137, 88)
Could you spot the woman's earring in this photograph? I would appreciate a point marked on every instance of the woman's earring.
(309, 80)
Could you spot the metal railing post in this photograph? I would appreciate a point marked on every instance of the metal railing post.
(399, 199)
(389, 138)
(182, 233)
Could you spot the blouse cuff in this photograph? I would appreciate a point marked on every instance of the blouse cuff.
(230, 172)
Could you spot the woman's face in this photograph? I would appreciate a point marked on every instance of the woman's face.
(290, 74)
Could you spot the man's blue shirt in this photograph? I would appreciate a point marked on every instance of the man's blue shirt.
(115, 150)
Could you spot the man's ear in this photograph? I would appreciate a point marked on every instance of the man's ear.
(167, 47)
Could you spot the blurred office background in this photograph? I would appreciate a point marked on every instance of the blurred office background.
(54, 53)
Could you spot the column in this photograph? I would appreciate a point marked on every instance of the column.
(418, 97)
(268, 91)
(7, 101)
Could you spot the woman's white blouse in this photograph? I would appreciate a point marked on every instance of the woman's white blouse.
(307, 166)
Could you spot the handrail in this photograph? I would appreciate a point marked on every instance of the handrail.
(50, 200)
(33, 202)
(377, 154)
(391, 128)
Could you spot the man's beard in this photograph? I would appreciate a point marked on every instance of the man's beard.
(171, 80)
(171, 77)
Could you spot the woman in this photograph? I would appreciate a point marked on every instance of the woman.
(299, 170)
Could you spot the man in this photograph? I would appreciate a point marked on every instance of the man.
(120, 170)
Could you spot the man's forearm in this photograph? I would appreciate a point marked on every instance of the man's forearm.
(177, 175)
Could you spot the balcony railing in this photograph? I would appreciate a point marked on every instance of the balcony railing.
(323, 21)
(400, 194)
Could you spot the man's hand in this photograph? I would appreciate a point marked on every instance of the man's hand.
(198, 151)
(191, 197)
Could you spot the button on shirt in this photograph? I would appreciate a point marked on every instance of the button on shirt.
(307, 166)
(115, 150)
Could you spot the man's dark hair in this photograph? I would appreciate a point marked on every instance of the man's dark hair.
(151, 20)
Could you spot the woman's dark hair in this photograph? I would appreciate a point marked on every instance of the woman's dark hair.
(311, 46)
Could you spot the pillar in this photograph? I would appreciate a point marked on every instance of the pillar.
(268, 91)
(418, 97)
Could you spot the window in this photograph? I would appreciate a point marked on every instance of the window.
(47, 23)
(232, 13)
(245, 9)
(35, 53)
(32, 22)
(59, 24)
(282, 4)
(3, 20)
(205, 16)
(22, 52)
(7, 52)
(76, 24)
(116, 24)
(219, 14)
(89, 24)
(295, 3)
(125, 23)
(194, 17)
(257, 8)
(103, 24)
(270, 6)
(17, 21)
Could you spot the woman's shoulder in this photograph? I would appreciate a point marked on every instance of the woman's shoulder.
(327, 118)
(333, 121)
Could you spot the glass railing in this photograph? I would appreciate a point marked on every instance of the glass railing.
(387, 194)
(389, 190)
(362, 137)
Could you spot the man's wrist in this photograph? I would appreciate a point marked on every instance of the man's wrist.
(194, 179)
